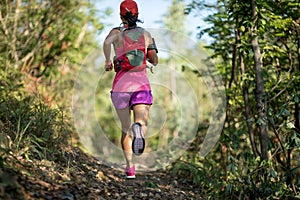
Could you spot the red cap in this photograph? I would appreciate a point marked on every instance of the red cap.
(128, 5)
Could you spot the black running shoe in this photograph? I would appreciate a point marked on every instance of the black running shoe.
(138, 143)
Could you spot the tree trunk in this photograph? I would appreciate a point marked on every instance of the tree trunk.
(260, 91)
(246, 97)
(247, 109)
(164, 135)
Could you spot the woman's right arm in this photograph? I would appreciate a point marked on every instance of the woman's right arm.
(109, 40)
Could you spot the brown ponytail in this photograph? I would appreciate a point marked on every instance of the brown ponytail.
(131, 19)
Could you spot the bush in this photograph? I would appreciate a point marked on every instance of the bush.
(238, 180)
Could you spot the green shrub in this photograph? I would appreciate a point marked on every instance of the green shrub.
(29, 128)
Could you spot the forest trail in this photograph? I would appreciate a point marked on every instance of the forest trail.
(79, 176)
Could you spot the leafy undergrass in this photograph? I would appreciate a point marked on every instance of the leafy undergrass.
(29, 127)
(254, 180)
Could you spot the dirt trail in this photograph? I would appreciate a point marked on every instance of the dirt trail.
(81, 177)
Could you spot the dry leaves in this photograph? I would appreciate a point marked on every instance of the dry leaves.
(79, 176)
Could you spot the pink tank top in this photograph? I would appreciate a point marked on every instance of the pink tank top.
(130, 81)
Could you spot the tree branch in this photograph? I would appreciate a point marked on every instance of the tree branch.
(279, 93)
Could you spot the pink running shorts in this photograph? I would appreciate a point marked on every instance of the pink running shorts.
(123, 100)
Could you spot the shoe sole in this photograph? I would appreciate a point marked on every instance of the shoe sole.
(130, 177)
(138, 143)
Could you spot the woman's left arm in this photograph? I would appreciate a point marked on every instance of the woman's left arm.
(151, 49)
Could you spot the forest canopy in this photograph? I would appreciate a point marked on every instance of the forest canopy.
(255, 51)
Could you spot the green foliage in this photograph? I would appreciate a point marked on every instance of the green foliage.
(233, 167)
(232, 180)
(37, 36)
(42, 45)
(30, 129)
(174, 19)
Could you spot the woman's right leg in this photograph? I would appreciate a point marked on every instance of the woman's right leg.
(126, 140)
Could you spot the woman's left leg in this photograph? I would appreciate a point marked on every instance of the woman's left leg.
(126, 141)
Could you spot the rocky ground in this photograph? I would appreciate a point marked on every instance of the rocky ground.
(78, 176)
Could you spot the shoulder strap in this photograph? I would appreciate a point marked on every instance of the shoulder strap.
(122, 29)
(125, 29)
(118, 28)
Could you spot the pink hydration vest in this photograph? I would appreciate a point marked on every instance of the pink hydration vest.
(132, 74)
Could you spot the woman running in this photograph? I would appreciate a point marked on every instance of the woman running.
(131, 90)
